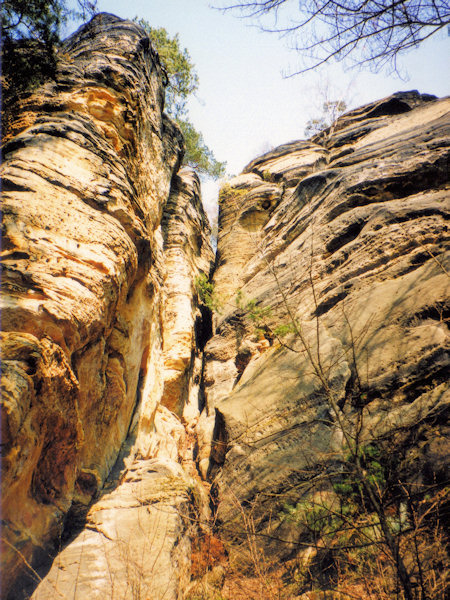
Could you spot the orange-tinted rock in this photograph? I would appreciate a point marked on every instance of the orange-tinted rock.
(85, 183)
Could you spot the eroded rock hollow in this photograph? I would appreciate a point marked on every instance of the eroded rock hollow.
(135, 425)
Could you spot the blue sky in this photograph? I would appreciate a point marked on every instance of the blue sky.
(245, 105)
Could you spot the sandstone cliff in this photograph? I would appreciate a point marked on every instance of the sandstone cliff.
(123, 403)
(102, 242)
(333, 267)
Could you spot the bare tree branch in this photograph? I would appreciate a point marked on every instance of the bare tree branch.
(370, 32)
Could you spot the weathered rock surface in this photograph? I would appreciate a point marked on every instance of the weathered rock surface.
(347, 237)
(135, 542)
(112, 411)
(99, 314)
(137, 536)
(187, 252)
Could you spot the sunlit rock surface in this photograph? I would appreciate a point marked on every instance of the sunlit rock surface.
(347, 236)
(99, 314)
(187, 252)
(119, 408)
(135, 543)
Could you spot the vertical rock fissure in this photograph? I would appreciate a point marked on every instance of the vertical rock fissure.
(131, 412)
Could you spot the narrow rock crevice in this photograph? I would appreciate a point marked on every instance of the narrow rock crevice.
(143, 431)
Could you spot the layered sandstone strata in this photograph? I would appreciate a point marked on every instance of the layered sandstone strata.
(96, 280)
(336, 249)
(333, 276)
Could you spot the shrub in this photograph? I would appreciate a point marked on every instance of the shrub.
(206, 293)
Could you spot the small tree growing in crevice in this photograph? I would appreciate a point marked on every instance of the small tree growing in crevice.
(206, 293)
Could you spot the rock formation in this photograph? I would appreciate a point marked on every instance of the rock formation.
(123, 402)
(341, 243)
(102, 242)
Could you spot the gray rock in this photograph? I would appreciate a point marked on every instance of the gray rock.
(356, 254)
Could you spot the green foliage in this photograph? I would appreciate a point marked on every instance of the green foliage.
(206, 293)
(32, 19)
(284, 329)
(240, 302)
(26, 64)
(257, 313)
(259, 316)
(183, 78)
(335, 513)
(329, 524)
(371, 458)
(315, 517)
(198, 155)
(182, 82)
(30, 34)
(227, 192)
(40, 20)
(367, 506)
(351, 489)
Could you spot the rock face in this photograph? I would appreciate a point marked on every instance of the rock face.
(137, 537)
(342, 244)
(102, 242)
(333, 274)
